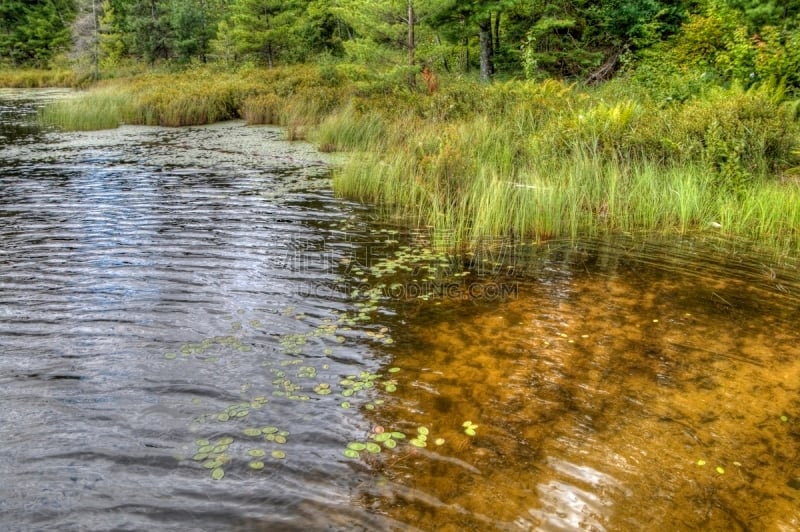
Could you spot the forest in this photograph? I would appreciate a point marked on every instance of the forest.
(744, 41)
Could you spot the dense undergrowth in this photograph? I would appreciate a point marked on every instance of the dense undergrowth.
(524, 159)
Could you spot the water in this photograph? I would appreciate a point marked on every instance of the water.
(165, 290)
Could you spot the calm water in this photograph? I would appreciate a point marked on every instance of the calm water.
(193, 330)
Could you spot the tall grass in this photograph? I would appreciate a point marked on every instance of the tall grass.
(520, 159)
(542, 160)
(29, 78)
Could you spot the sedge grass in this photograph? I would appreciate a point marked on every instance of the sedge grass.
(521, 159)
(30, 78)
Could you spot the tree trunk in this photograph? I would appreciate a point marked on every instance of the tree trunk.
(487, 69)
(412, 45)
(496, 44)
(96, 43)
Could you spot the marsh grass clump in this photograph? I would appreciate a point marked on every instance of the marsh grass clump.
(542, 160)
(32, 78)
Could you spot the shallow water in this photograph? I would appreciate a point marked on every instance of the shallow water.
(176, 303)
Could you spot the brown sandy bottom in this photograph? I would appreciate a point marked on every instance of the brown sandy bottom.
(602, 402)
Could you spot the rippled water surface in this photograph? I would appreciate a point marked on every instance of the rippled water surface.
(195, 334)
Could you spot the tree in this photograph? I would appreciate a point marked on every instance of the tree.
(193, 24)
(265, 29)
(150, 34)
(462, 20)
(33, 32)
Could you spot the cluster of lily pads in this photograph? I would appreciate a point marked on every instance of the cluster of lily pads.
(381, 439)
(198, 349)
(290, 378)
(214, 455)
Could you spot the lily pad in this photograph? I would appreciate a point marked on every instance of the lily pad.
(280, 439)
(356, 446)
(390, 443)
(256, 464)
(416, 442)
(200, 457)
(350, 453)
(398, 435)
(278, 454)
(252, 432)
(218, 473)
(423, 431)
(439, 441)
(269, 430)
(202, 442)
(373, 448)
(256, 453)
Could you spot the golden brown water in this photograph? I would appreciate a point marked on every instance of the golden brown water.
(621, 396)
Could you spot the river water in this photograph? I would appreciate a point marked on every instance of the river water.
(195, 334)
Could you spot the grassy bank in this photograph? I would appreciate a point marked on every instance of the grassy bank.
(531, 160)
(30, 78)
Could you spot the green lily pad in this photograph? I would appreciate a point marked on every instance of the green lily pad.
(390, 443)
(170, 356)
(227, 440)
(382, 437)
(345, 404)
(394, 370)
(356, 446)
(373, 448)
(256, 453)
(390, 387)
(223, 417)
(219, 449)
(218, 473)
(439, 441)
(280, 439)
(469, 431)
(252, 432)
(205, 448)
(416, 442)
(200, 457)
(784, 419)
(202, 442)
(350, 453)
(720, 470)
(269, 430)
(398, 435)
(278, 454)
(423, 431)
(256, 464)
(212, 464)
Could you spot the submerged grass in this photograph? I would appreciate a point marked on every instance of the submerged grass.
(527, 160)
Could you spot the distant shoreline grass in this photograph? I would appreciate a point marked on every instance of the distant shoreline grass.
(32, 78)
(528, 160)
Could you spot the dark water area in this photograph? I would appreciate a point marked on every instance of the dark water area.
(195, 334)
